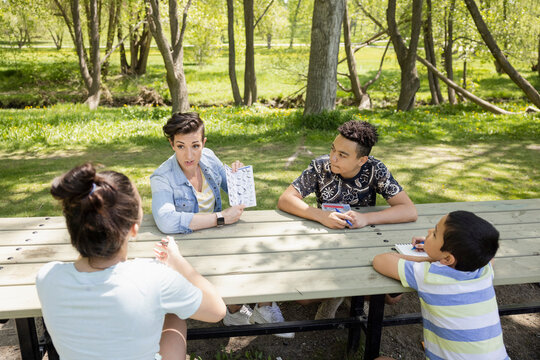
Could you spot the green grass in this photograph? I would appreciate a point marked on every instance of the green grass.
(44, 76)
(438, 154)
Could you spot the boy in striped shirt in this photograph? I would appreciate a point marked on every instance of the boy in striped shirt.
(455, 286)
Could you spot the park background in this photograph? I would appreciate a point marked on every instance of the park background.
(440, 150)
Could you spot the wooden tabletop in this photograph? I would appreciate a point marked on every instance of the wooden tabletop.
(273, 256)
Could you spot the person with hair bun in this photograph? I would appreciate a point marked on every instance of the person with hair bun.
(103, 306)
(348, 175)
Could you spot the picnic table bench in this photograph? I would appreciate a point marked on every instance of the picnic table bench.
(273, 256)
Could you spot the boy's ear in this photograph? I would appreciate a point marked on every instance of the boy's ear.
(448, 259)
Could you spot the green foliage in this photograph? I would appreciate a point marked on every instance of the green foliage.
(438, 154)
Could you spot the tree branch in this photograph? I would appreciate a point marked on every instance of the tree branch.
(264, 12)
(370, 82)
(484, 104)
(121, 42)
(340, 85)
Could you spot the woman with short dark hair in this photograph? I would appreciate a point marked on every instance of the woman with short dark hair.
(186, 187)
(186, 197)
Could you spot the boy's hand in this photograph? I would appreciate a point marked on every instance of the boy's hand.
(334, 220)
(167, 251)
(418, 242)
(358, 220)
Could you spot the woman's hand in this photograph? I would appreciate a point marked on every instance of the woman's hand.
(236, 165)
(167, 251)
(233, 213)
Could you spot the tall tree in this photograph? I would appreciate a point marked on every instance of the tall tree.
(140, 39)
(434, 88)
(448, 45)
(294, 20)
(232, 53)
(323, 55)
(410, 83)
(250, 79)
(520, 81)
(173, 52)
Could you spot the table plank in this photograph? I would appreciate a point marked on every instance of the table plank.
(22, 301)
(259, 216)
(22, 270)
(372, 236)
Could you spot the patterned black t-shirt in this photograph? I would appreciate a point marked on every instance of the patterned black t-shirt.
(372, 179)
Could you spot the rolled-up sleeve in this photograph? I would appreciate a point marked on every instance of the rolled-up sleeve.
(167, 218)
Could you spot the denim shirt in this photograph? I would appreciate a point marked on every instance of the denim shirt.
(173, 197)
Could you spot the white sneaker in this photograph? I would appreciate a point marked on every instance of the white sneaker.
(269, 314)
(241, 317)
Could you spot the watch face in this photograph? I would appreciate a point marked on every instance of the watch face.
(221, 221)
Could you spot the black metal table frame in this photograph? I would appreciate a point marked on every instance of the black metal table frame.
(372, 324)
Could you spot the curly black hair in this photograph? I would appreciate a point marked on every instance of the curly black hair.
(362, 133)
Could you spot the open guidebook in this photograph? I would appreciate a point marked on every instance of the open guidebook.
(241, 186)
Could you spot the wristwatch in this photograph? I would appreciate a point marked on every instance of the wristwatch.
(220, 219)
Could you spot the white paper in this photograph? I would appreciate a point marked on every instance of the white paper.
(407, 249)
(241, 186)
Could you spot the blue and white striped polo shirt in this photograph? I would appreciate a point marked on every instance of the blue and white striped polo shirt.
(459, 310)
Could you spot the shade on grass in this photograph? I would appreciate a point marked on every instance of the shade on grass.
(438, 154)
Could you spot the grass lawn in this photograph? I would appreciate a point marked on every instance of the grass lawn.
(45, 76)
(438, 154)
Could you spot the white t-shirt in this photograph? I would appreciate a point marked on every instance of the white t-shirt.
(116, 313)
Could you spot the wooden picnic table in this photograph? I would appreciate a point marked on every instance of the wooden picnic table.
(273, 256)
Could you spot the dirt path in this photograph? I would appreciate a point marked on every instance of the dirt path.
(521, 334)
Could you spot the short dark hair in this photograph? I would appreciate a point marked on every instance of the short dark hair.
(362, 133)
(100, 209)
(183, 123)
(472, 240)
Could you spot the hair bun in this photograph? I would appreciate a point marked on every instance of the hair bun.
(75, 184)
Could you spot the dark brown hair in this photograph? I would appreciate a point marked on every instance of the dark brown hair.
(183, 123)
(362, 133)
(472, 240)
(100, 209)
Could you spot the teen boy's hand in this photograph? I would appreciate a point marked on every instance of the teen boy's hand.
(334, 220)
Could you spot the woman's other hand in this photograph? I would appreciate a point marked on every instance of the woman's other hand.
(236, 165)
(233, 214)
(167, 251)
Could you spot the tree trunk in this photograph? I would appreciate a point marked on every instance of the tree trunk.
(91, 79)
(250, 80)
(464, 77)
(232, 53)
(484, 104)
(173, 53)
(143, 49)
(538, 63)
(356, 87)
(114, 11)
(323, 55)
(434, 88)
(449, 43)
(527, 88)
(294, 23)
(124, 65)
(410, 83)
